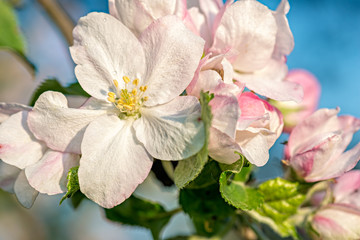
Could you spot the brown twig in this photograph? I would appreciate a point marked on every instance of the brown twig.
(60, 18)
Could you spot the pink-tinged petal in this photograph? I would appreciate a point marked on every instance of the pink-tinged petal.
(173, 54)
(225, 110)
(18, 146)
(254, 145)
(250, 28)
(112, 9)
(199, 23)
(137, 15)
(113, 165)
(251, 106)
(210, 8)
(222, 147)
(337, 166)
(346, 185)
(8, 176)
(172, 131)
(319, 123)
(337, 222)
(49, 174)
(104, 50)
(284, 38)
(60, 127)
(8, 109)
(221, 65)
(208, 81)
(25, 194)
(269, 82)
(193, 82)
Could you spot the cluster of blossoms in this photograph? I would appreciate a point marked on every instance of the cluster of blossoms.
(145, 65)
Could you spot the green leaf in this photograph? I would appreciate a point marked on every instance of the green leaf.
(54, 85)
(282, 200)
(73, 183)
(138, 212)
(10, 35)
(188, 169)
(207, 209)
(208, 176)
(233, 188)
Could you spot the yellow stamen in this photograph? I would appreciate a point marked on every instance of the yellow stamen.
(136, 82)
(116, 83)
(143, 88)
(146, 98)
(111, 94)
(126, 79)
(111, 99)
(128, 107)
(134, 91)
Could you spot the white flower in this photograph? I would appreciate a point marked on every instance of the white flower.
(136, 110)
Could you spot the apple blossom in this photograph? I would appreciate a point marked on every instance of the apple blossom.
(316, 146)
(295, 112)
(28, 166)
(254, 39)
(341, 219)
(137, 112)
(247, 125)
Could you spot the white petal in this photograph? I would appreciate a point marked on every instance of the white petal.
(18, 146)
(318, 125)
(284, 38)
(137, 15)
(208, 80)
(8, 176)
(49, 174)
(254, 145)
(113, 165)
(60, 127)
(222, 147)
(270, 83)
(171, 131)
(250, 28)
(25, 194)
(104, 50)
(173, 54)
(226, 112)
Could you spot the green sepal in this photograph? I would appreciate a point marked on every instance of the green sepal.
(139, 212)
(72, 185)
(188, 169)
(233, 189)
(54, 85)
(10, 36)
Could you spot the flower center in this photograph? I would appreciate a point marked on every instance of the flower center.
(128, 102)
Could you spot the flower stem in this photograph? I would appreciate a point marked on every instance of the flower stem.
(62, 20)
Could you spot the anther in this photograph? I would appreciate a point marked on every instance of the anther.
(145, 98)
(111, 94)
(136, 82)
(116, 83)
(134, 91)
(126, 79)
(111, 99)
(143, 88)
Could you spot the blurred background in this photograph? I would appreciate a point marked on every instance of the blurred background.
(327, 43)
